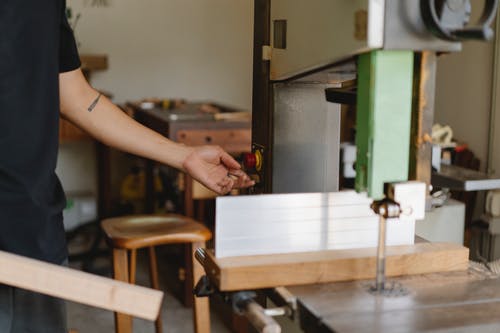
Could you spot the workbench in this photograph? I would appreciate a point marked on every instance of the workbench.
(190, 126)
(463, 301)
(450, 294)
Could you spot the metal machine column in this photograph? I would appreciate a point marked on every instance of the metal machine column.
(384, 104)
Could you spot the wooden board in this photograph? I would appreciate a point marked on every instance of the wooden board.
(266, 271)
(80, 287)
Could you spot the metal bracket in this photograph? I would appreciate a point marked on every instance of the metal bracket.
(204, 287)
(243, 303)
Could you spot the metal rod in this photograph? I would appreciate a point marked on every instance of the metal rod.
(285, 296)
(380, 277)
(277, 312)
(259, 319)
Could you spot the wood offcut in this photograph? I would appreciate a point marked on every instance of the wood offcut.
(80, 287)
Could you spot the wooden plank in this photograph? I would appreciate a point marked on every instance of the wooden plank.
(265, 271)
(80, 287)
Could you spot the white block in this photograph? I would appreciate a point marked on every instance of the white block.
(443, 224)
(285, 223)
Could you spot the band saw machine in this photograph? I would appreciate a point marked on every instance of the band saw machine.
(347, 261)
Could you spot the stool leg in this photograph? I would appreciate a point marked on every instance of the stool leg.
(188, 277)
(123, 323)
(188, 196)
(201, 307)
(133, 266)
(153, 275)
(200, 214)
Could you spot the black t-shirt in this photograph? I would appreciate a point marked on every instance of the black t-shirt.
(36, 44)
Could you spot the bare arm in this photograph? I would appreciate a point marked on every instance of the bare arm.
(107, 123)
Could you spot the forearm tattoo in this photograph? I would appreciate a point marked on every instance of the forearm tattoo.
(94, 103)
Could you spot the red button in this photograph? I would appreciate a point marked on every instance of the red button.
(249, 160)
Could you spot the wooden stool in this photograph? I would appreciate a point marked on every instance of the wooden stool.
(130, 233)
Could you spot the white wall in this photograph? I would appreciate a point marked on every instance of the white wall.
(463, 101)
(197, 49)
(463, 91)
(76, 167)
(463, 95)
(202, 49)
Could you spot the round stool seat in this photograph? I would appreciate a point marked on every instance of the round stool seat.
(138, 231)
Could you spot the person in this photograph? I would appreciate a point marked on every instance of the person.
(40, 80)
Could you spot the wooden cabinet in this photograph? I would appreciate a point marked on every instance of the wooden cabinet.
(231, 140)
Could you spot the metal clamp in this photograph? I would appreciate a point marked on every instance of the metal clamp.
(204, 287)
(243, 303)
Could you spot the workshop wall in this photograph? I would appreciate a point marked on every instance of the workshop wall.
(463, 95)
(202, 49)
(196, 49)
(464, 91)
(76, 166)
(463, 100)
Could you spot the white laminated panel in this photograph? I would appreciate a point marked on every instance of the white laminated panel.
(286, 223)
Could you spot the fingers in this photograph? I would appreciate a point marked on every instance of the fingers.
(247, 183)
(241, 179)
(243, 183)
(234, 179)
(229, 161)
(217, 170)
(226, 181)
(237, 173)
(225, 185)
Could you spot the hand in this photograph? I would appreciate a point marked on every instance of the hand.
(216, 169)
